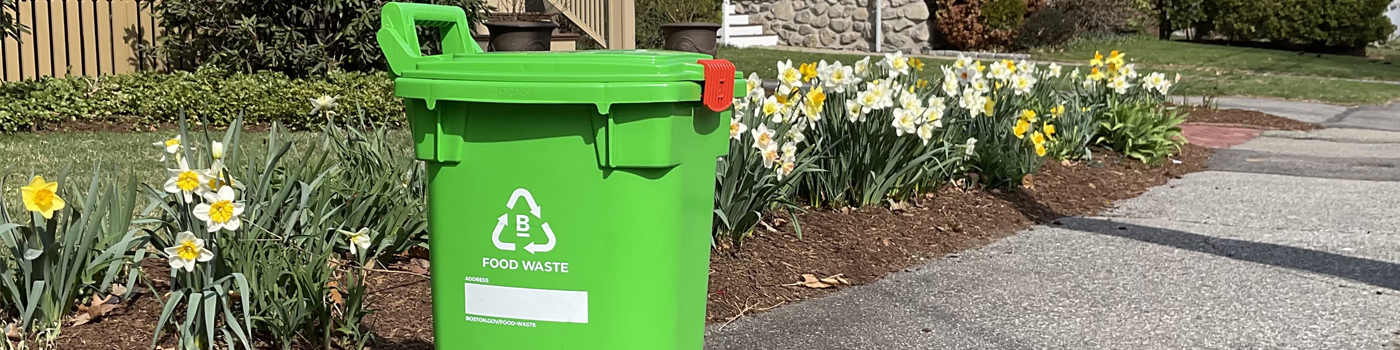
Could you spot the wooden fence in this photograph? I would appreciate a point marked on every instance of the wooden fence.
(79, 37)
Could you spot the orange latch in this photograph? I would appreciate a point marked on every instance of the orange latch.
(718, 93)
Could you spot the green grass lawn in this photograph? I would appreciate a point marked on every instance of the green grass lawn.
(1177, 55)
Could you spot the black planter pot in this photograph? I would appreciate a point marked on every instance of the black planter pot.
(520, 35)
(691, 37)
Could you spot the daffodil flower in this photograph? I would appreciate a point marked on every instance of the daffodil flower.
(972, 101)
(1097, 61)
(795, 135)
(219, 211)
(989, 107)
(770, 154)
(216, 149)
(762, 137)
(1026, 67)
(1075, 73)
(808, 70)
(971, 147)
(323, 103)
(771, 106)
(1022, 126)
(925, 133)
(950, 87)
(359, 240)
(905, 121)
(1049, 130)
(755, 87)
(1054, 70)
(42, 197)
(737, 129)
(1002, 71)
(217, 177)
(1039, 141)
(962, 62)
(1029, 116)
(184, 181)
(1022, 84)
(862, 67)
(980, 85)
(1119, 85)
(172, 146)
(853, 110)
(187, 252)
(896, 64)
(787, 74)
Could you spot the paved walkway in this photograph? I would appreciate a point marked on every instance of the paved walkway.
(1290, 241)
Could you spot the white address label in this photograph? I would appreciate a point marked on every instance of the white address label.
(527, 304)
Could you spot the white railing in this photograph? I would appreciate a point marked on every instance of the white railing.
(611, 23)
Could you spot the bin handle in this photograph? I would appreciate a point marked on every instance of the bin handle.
(398, 33)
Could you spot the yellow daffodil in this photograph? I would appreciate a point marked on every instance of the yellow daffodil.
(1096, 74)
(917, 64)
(359, 240)
(185, 181)
(1057, 111)
(989, 107)
(1039, 141)
(187, 251)
(1097, 61)
(42, 197)
(1028, 116)
(1022, 126)
(1049, 130)
(219, 211)
(816, 96)
(1040, 150)
(808, 70)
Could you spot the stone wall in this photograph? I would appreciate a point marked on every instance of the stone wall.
(842, 24)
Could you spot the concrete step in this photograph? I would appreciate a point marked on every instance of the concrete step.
(737, 20)
(742, 30)
(728, 9)
(752, 40)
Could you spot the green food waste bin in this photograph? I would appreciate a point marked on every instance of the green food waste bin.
(570, 193)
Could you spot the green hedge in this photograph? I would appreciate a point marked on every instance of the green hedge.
(145, 98)
(1335, 23)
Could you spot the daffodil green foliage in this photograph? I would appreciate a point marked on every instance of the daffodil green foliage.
(1147, 132)
(257, 243)
(70, 244)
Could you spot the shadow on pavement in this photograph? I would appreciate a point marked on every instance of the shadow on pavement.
(1373, 272)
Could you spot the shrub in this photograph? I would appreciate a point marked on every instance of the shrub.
(1049, 27)
(294, 37)
(1110, 16)
(1003, 14)
(651, 14)
(1340, 23)
(9, 25)
(215, 95)
(958, 21)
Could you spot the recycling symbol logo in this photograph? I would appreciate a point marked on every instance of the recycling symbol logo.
(522, 225)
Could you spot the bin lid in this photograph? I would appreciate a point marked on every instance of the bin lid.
(596, 66)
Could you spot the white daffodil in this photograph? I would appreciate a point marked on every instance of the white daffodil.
(973, 102)
(925, 133)
(359, 240)
(788, 161)
(219, 211)
(862, 67)
(741, 104)
(755, 87)
(184, 181)
(950, 87)
(1054, 70)
(968, 73)
(788, 74)
(1002, 70)
(934, 113)
(964, 62)
(1129, 70)
(770, 154)
(1088, 83)
(980, 85)
(762, 137)
(737, 129)
(909, 100)
(795, 135)
(1074, 74)
(172, 146)
(971, 146)
(896, 64)
(868, 102)
(323, 103)
(1119, 85)
(854, 111)
(217, 177)
(187, 252)
(905, 121)
(1022, 83)
(1025, 67)
(1157, 81)
(216, 149)
(839, 77)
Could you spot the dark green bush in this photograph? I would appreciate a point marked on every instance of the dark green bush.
(1048, 27)
(295, 37)
(1336, 23)
(1003, 14)
(651, 14)
(217, 95)
(1107, 16)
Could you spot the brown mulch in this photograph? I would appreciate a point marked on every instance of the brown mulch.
(861, 245)
(1246, 119)
(866, 244)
